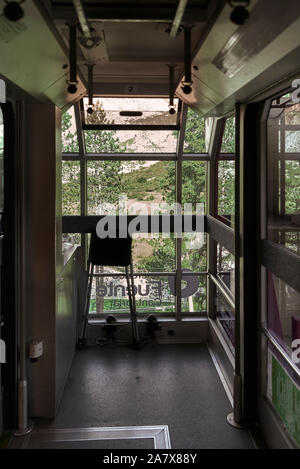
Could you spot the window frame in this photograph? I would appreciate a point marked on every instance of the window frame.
(179, 157)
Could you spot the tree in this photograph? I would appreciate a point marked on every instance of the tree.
(104, 177)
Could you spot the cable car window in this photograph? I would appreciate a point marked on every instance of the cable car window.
(283, 167)
(129, 111)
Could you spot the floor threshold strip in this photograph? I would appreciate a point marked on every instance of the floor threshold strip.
(158, 434)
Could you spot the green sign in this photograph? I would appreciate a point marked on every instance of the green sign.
(286, 399)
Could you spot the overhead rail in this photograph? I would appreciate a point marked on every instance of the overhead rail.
(86, 30)
(181, 6)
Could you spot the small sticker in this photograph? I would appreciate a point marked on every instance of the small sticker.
(9, 29)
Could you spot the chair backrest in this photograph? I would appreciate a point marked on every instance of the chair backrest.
(110, 251)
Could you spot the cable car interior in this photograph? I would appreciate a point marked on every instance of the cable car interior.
(176, 122)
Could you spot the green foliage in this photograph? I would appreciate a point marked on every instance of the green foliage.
(226, 184)
(228, 140)
(139, 182)
(162, 258)
(193, 182)
(194, 141)
(71, 187)
(69, 135)
(292, 187)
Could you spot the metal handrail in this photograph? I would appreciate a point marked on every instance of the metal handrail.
(223, 291)
(281, 350)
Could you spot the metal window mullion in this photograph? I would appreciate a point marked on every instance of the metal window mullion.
(130, 156)
(179, 152)
(83, 175)
(211, 203)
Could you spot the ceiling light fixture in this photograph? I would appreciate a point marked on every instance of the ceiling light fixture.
(13, 10)
(240, 14)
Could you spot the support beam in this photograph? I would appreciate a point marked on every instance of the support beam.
(131, 12)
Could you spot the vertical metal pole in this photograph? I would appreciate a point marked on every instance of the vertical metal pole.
(171, 85)
(83, 169)
(131, 294)
(73, 53)
(187, 55)
(236, 418)
(212, 179)
(87, 302)
(24, 426)
(178, 239)
(90, 84)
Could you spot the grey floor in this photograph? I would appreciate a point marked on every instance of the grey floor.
(174, 385)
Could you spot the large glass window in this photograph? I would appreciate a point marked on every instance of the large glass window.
(226, 175)
(198, 132)
(283, 223)
(130, 141)
(284, 173)
(110, 295)
(107, 111)
(283, 312)
(146, 182)
(226, 267)
(130, 186)
(71, 187)
(69, 132)
(283, 392)
(130, 111)
(225, 196)
(228, 138)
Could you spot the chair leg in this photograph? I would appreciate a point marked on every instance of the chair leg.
(136, 329)
(131, 295)
(87, 306)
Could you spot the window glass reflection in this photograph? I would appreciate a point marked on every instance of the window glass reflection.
(283, 167)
